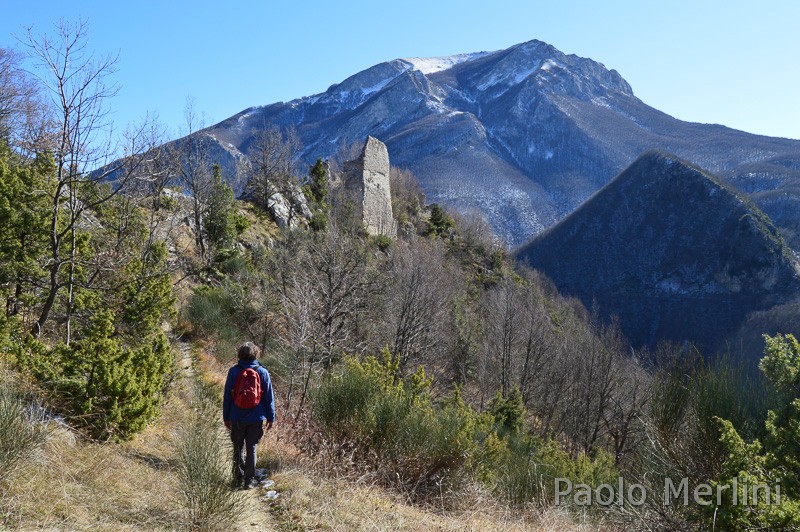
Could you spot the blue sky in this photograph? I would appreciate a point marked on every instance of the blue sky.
(728, 62)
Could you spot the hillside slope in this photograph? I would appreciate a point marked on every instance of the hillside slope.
(672, 251)
(88, 485)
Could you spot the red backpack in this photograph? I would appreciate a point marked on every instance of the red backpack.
(247, 389)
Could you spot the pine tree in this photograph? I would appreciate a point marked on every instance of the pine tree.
(318, 183)
(440, 222)
(316, 191)
(113, 387)
(24, 191)
(781, 367)
(111, 378)
(220, 214)
(775, 461)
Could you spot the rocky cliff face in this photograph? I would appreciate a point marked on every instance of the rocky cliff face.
(674, 252)
(366, 180)
(523, 135)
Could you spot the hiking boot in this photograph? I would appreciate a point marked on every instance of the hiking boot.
(250, 484)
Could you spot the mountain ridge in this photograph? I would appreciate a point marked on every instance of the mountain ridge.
(522, 135)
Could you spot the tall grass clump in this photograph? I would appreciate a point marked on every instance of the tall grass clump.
(211, 311)
(204, 466)
(23, 429)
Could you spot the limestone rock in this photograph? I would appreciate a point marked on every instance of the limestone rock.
(366, 179)
(300, 203)
(289, 209)
(280, 209)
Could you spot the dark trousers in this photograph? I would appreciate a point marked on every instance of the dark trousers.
(245, 438)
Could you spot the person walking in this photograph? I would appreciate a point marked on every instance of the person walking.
(248, 402)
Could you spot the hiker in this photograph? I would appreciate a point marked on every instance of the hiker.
(248, 402)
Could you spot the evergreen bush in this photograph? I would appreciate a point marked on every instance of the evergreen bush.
(396, 422)
(112, 388)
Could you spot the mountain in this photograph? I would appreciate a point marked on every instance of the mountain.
(523, 135)
(672, 251)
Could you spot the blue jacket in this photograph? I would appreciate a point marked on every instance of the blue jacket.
(265, 411)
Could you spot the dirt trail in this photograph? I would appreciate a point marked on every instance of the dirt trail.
(256, 514)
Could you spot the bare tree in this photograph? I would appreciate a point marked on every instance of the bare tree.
(294, 326)
(345, 152)
(24, 118)
(503, 330)
(274, 157)
(156, 171)
(538, 339)
(329, 288)
(407, 198)
(192, 162)
(343, 285)
(419, 301)
(463, 336)
(82, 148)
(623, 419)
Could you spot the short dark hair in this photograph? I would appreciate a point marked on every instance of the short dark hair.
(248, 351)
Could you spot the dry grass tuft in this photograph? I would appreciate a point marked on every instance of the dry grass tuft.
(203, 465)
(312, 502)
(74, 484)
(23, 429)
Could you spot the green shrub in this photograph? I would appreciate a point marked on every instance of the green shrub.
(532, 465)
(210, 312)
(235, 264)
(319, 222)
(508, 412)
(752, 464)
(781, 367)
(749, 466)
(440, 223)
(395, 427)
(395, 424)
(112, 388)
(382, 242)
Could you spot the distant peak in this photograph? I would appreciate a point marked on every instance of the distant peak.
(535, 44)
(665, 159)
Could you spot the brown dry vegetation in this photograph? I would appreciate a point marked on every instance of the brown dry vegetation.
(72, 483)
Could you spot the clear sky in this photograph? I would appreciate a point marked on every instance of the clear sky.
(730, 62)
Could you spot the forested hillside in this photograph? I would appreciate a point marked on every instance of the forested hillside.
(677, 255)
(416, 377)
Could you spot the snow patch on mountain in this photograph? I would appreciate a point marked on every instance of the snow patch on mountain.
(507, 77)
(366, 91)
(550, 64)
(430, 65)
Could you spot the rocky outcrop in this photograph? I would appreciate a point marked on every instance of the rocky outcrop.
(366, 181)
(289, 207)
